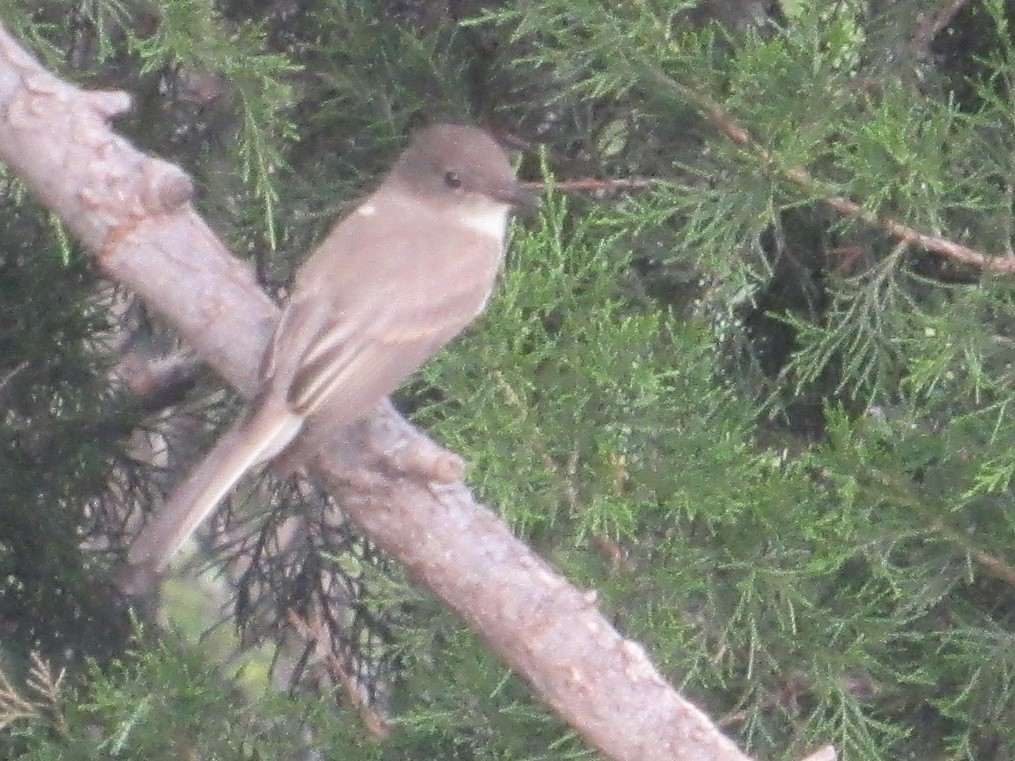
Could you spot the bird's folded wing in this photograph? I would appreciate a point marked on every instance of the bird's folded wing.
(375, 356)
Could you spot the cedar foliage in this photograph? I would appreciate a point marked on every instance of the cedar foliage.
(772, 434)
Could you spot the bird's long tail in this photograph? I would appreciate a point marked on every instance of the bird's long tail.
(251, 441)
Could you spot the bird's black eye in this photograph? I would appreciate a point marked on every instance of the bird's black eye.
(452, 180)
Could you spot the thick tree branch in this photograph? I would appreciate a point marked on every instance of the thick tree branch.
(133, 213)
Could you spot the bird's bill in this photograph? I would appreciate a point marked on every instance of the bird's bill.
(517, 195)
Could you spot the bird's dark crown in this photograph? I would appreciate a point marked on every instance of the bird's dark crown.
(455, 161)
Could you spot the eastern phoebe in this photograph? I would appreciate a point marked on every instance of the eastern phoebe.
(390, 285)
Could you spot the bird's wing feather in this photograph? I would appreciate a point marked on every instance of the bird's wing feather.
(372, 360)
(364, 341)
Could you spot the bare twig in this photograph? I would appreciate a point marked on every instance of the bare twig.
(801, 177)
(316, 639)
(594, 184)
(804, 179)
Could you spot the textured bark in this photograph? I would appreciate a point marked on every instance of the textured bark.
(133, 213)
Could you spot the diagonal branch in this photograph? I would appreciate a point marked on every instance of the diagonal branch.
(800, 177)
(133, 213)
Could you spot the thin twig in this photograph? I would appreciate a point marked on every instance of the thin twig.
(719, 117)
(799, 176)
(315, 637)
(595, 184)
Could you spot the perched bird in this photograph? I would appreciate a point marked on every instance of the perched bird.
(393, 282)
